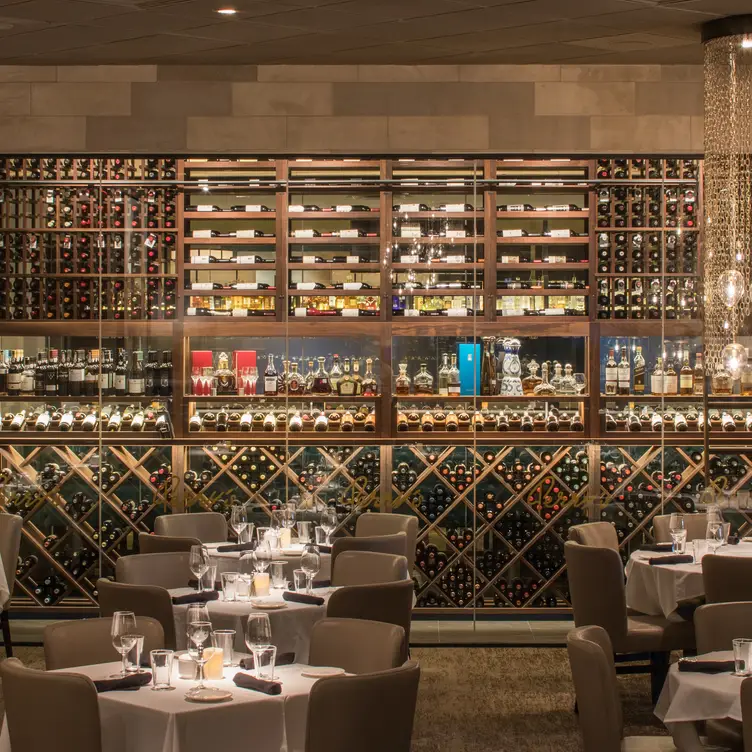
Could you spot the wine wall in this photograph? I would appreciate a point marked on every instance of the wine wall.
(422, 336)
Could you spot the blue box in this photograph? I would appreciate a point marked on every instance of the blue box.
(469, 362)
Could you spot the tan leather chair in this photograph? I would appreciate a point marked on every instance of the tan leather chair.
(208, 527)
(695, 524)
(10, 543)
(341, 717)
(591, 659)
(390, 602)
(726, 579)
(395, 544)
(359, 646)
(375, 523)
(84, 642)
(143, 600)
(717, 624)
(168, 570)
(164, 544)
(600, 534)
(596, 583)
(368, 568)
(747, 713)
(68, 710)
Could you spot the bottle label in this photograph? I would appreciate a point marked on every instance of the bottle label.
(306, 286)
(656, 384)
(104, 381)
(669, 384)
(245, 234)
(348, 233)
(119, 382)
(270, 384)
(685, 381)
(205, 208)
(77, 374)
(511, 233)
(456, 234)
(304, 233)
(202, 286)
(201, 233)
(346, 388)
(136, 386)
(410, 231)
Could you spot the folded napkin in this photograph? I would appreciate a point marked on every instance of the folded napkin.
(733, 540)
(234, 547)
(322, 583)
(246, 681)
(676, 559)
(657, 547)
(283, 659)
(194, 583)
(125, 683)
(324, 549)
(205, 597)
(686, 608)
(705, 667)
(313, 600)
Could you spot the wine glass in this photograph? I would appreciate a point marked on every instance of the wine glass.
(198, 562)
(275, 527)
(580, 383)
(310, 563)
(123, 633)
(288, 515)
(678, 530)
(198, 634)
(329, 522)
(239, 520)
(258, 634)
(714, 536)
(262, 557)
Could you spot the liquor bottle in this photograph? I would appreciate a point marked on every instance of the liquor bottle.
(699, 376)
(612, 377)
(423, 381)
(369, 386)
(623, 373)
(488, 368)
(15, 371)
(39, 377)
(150, 383)
(270, 378)
(346, 385)
(335, 374)
(657, 384)
(295, 384)
(454, 377)
(402, 382)
(27, 377)
(531, 381)
(639, 371)
(722, 382)
(745, 379)
(321, 382)
(76, 375)
(686, 376)
(670, 380)
(136, 381)
(356, 377)
(224, 378)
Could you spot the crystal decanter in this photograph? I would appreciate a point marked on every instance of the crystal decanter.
(511, 384)
(544, 389)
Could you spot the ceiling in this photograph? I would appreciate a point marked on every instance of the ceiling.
(356, 31)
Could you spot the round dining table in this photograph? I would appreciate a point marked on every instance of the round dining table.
(657, 590)
(229, 561)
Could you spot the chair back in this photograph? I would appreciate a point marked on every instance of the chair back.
(726, 579)
(368, 568)
(395, 544)
(390, 602)
(596, 584)
(84, 642)
(747, 713)
(168, 570)
(591, 659)
(359, 646)
(695, 524)
(376, 523)
(341, 715)
(717, 624)
(208, 527)
(10, 543)
(49, 710)
(164, 544)
(599, 534)
(143, 600)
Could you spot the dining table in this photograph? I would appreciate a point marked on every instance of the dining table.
(165, 721)
(291, 622)
(658, 590)
(229, 561)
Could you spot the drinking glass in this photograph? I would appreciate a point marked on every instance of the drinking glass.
(328, 521)
(310, 563)
(196, 612)
(677, 528)
(279, 580)
(258, 634)
(319, 535)
(123, 633)
(238, 520)
(229, 585)
(299, 579)
(199, 633)
(243, 587)
(247, 535)
(580, 383)
(742, 666)
(714, 536)
(304, 531)
(161, 670)
(224, 639)
(275, 528)
(262, 556)
(265, 659)
(208, 578)
(699, 547)
(288, 515)
(198, 562)
(133, 656)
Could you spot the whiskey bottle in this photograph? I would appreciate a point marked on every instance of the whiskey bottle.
(623, 373)
(444, 376)
(402, 382)
(321, 382)
(369, 385)
(346, 385)
(686, 377)
(531, 381)
(657, 378)
(722, 382)
(454, 377)
(670, 380)
(136, 382)
(270, 378)
(698, 384)
(335, 374)
(612, 377)
(423, 381)
(224, 378)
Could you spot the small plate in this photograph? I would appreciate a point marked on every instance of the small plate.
(268, 605)
(209, 694)
(322, 672)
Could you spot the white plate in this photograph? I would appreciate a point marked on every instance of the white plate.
(210, 695)
(322, 672)
(268, 605)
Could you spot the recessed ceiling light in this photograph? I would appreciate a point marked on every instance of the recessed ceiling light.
(226, 11)
(747, 42)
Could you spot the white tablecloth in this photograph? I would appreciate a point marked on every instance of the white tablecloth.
(657, 590)
(291, 626)
(4, 591)
(230, 561)
(147, 721)
(688, 697)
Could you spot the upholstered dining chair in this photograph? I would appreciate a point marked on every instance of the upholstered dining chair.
(376, 523)
(591, 659)
(84, 642)
(208, 527)
(143, 600)
(747, 713)
(10, 542)
(167, 570)
(69, 720)
(341, 717)
(164, 544)
(600, 534)
(368, 568)
(695, 525)
(359, 646)
(395, 544)
(726, 579)
(596, 583)
(390, 602)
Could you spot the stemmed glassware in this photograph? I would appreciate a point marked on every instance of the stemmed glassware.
(198, 562)
(714, 536)
(275, 527)
(678, 530)
(123, 633)
(288, 515)
(258, 635)
(580, 383)
(199, 633)
(262, 556)
(310, 563)
(239, 521)
(328, 522)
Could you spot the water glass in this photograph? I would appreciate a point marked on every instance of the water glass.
(262, 533)
(305, 530)
(243, 587)
(229, 585)
(161, 669)
(321, 536)
(208, 578)
(699, 549)
(679, 540)
(279, 581)
(123, 634)
(247, 535)
(714, 536)
(265, 659)
(133, 657)
(198, 562)
(310, 563)
(742, 666)
(299, 579)
(224, 639)
(726, 529)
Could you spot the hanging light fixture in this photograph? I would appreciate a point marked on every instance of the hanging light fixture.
(727, 186)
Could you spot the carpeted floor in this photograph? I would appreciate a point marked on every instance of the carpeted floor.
(497, 700)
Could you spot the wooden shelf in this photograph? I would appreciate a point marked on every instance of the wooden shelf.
(373, 291)
(533, 266)
(438, 267)
(282, 399)
(497, 398)
(87, 328)
(539, 240)
(374, 215)
(476, 293)
(229, 241)
(333, 241)
(128, 399)
(227, 267)
(651, 397)
(543, 292)
(581, 214)
(241, 293)
(474, 240)
(438, 214)
(229, 215)
(647, 328)
(344, 266)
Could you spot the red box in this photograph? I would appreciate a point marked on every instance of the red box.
(202, 359)
(243, 359)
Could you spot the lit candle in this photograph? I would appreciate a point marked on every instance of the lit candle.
(261, 584)
(214, 666)
(285, 538)
(186, 667)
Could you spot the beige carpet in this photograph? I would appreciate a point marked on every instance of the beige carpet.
(497, 700)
